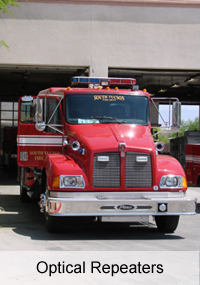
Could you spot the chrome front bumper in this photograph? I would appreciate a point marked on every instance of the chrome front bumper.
(117, 204)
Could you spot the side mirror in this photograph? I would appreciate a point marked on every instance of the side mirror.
(40, 126)
(154, 114)
(176, 115)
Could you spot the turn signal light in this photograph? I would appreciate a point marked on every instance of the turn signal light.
(56, 182)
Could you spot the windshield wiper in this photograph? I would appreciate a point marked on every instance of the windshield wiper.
(107, 120)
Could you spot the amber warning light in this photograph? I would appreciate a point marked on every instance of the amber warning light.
(103, 81)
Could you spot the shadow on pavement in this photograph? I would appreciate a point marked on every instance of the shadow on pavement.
(8, 177)
(198, 208)
(26, 220)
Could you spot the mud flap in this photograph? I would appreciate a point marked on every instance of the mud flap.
(34, 192)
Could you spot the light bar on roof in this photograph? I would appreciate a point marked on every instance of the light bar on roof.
(104, 81)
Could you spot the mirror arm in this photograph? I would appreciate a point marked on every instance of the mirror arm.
(159, 112)
(55, 129)
(169, 99)
(54, 110)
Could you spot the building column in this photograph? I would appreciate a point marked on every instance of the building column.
(98, 71)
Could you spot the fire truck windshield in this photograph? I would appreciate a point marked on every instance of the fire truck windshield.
(107, 108)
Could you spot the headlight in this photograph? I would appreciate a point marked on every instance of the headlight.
(173, 181)
(71, 181)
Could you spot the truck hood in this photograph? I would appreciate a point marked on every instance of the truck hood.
(99, 138)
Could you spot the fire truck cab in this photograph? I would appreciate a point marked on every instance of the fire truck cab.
(89, 152)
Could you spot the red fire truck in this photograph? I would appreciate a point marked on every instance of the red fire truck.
(89, 152)
(186, 149)
(192, 166)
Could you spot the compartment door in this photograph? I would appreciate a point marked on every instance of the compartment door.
(189, 163)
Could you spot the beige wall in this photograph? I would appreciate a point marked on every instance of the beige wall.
(165, 3)
(101, 36)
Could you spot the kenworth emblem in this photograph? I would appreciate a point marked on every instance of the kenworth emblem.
(125, 207)
(122, 148)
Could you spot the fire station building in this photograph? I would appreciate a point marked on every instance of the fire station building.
(155, 41)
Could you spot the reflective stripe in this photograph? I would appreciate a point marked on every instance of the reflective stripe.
(196, 159)
(48, 140)
(191, 158)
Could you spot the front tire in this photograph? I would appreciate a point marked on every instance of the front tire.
(23, 192)
(167, 224)
(54, 224)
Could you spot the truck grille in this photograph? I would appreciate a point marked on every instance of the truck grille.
(107, 169)
(138, 174)
(106, 173)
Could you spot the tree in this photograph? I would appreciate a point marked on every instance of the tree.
(5, 6)
(185, 126)
(188, 126)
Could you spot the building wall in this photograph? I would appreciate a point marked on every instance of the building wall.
(101, 36)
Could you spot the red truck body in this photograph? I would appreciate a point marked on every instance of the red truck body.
(192, 163)
(98, 165)
(186, 150)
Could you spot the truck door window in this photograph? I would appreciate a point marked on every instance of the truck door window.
(52, 117)
(27, 112)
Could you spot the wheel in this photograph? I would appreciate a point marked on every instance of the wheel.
(23, 193)
(167, 224)
(54, 224)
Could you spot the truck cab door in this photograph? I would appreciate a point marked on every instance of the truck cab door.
(33, 142)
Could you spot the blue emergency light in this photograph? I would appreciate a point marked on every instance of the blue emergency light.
(103, 81)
